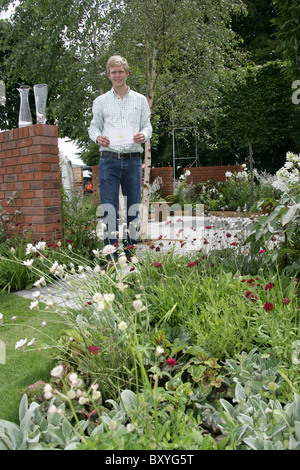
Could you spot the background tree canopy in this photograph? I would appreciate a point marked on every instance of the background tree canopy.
(221, 70)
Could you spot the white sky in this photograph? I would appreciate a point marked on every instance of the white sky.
(69, 149)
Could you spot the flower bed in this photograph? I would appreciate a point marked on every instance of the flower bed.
(175, 350)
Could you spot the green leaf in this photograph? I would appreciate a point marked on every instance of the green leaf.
(129, 400)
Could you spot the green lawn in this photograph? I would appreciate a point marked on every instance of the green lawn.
(20, 369)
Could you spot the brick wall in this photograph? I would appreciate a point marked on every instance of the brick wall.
(29, 164)
(166, 173)
(198, 175)
(213, 173)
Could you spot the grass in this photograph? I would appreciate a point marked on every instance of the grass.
(23, 369)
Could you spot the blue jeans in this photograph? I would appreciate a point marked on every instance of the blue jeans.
(114, 172)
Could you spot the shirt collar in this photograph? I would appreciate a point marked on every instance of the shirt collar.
(115, 94)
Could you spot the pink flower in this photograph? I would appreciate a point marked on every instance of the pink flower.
(268, 307)
(171, 362)
(261, 251)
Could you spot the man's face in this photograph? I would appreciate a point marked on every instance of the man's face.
(118, 76)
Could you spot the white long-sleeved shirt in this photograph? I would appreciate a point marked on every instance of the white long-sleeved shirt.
(110, 110)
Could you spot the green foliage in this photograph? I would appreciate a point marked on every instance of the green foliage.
(79, 225)
(260, 424)
(37, 431)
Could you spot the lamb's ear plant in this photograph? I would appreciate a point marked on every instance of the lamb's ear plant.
(257, 423)
(40, 431)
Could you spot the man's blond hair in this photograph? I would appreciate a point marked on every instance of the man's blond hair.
(117, 61)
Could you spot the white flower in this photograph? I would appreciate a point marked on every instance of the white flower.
(44, 323)
(40, 282)
(28, 263)
(21, 344)
(12, 250)
(109, 298)
(48, 391)
(34, 305)
(187, 173)
(122, 326)
(138, 305)
(130, 427)
(13, 318)
(1, 318)
(57, 269)
(112, 424)
(122, 261)
(228, 174)
(96, 253)
(97, 297)
(52, 409)
(96, 395)
(57, 372)
(109, 250)
(73, 378)
(82, 400)
(71, 394)
(30, 249)
(41, 246)
(159, 350)
(31, 343)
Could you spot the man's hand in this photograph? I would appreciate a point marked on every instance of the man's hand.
(138, 138)
(103, 141)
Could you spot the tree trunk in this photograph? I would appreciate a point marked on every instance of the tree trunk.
(147, 167)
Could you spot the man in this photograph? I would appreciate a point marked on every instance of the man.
(120, 124)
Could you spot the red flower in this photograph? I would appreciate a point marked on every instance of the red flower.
(94, 349)
(286, 301)
(129, 247)
(249, 295)
(268, 307)
(269, 286)
(171, 362)
(156, 264)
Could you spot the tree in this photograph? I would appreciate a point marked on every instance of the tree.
(287, 26)
(257, 110)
